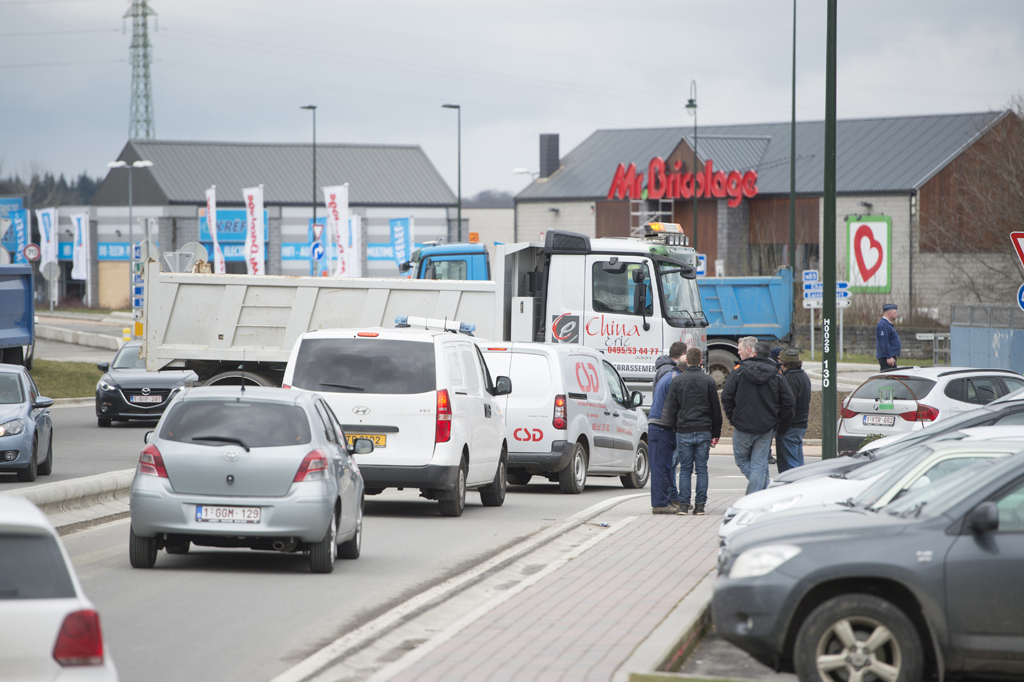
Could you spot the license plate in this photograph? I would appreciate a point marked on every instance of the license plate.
(205, 512)
(379, 439)
(147, 399)
(878, 420)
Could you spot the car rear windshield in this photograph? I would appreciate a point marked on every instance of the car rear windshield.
(365, 366)
(903, 388)
(32, 567)
(251, 423)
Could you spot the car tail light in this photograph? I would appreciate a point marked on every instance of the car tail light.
(151, 463)
(847, 413)
(313, 467)
(558, 418)
(443, 426)
(285, 386)
(80, 641)
(923, 413)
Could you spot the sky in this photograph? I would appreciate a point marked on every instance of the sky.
(379, 71)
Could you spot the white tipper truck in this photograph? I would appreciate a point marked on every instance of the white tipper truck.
(629, 298)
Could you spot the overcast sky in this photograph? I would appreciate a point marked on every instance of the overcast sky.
(379, 71)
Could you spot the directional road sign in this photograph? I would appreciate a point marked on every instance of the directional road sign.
(810, 275)
(317, 250)
(1020, 297)
(702, 265)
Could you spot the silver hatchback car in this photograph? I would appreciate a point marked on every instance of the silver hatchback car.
(263, 468)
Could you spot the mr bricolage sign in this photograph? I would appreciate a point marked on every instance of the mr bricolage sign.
(674, 184)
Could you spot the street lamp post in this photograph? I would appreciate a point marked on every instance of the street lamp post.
(142, 163)
(312, 107)
(458, 230)
(691, 108)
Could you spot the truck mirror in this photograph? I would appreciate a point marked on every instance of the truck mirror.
(405, 267)
(638, 276)
(502, 386)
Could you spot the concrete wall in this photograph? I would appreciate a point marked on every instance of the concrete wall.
(535, 218)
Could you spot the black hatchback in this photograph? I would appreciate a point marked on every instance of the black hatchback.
(127, 391)
(929, 586)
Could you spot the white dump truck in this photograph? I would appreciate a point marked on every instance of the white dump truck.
(628, 298)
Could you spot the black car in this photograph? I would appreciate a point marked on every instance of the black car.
(927, 587)
(127, 391)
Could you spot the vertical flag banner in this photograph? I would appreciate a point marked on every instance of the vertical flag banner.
(211, 222)
(401, 239)
(47, 218)
(869, 254)
(20, 228)
(255, 250)
(355, 249)
(336, 199)
(80, 246)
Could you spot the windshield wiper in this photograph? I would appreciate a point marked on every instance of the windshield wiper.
(223, 439)
(841, 474)
(347, 386)
(848, 503)
(915, 510)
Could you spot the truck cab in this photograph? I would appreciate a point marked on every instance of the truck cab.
(449, 261)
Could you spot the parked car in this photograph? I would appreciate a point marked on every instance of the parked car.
(926, 587)
(262, 468)
(51, 631)
(26, 430)
(127, 391)
(909, 399)
(569, 417)
(424, 397)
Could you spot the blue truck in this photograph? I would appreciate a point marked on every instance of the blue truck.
(734, 306)
(17, 315)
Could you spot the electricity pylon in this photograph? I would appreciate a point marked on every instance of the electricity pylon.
(140, 124)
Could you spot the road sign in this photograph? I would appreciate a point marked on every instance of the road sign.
(820, 286)
(137, 314)
(810, 275)
(1020, 297)
(926, 337)
(812, 302)
(317, 250)
(318, 229)
(137, 291)
(138, 302)
(51, 272)
(843, 294)
(1018, 245)
(31, 252)
(136, 251)
(702, 265)
(812, 294)
(137, 279)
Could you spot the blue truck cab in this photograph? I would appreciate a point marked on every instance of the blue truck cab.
(449, 261)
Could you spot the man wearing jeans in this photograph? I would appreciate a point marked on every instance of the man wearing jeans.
(692, 407)
(756, 398)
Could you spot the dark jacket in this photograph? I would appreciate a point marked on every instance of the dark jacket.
(887, 341)
(800, 386)
(692, 403)
(658, 401)
(662, 366)
(756, 397)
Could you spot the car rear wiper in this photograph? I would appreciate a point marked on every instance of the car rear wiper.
(348, 386)
(223, 439)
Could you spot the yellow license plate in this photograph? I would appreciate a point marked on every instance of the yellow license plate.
(379, 439)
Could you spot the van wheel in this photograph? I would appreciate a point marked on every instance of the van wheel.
(455, 506)
(573, 478)
(637, 478)
(519, 476)
(493, 494)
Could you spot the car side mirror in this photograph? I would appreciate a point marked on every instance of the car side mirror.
(148, 436)
(984, 518)
(361, 446)
(103, 366)
(636, 399)
(42, 403)
(502, 386)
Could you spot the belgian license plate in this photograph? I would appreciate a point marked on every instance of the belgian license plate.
(205, 512)
(147, 399)
(379, 439)
(878, 420)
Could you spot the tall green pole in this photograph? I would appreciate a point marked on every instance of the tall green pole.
(792, 176)
(828, 248)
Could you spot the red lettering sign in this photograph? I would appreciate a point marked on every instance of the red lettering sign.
(586, 377)
(664, 184)
(528, 435)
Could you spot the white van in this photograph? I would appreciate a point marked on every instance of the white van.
(569, 415)
(425, 398)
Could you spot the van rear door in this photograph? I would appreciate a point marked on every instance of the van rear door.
(530, 407)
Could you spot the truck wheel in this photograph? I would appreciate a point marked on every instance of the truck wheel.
(493, 494)
(573, 478)
(720, 363)
(637, 478)
(235, 378)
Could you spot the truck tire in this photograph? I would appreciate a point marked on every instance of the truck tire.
(235, 377)
(720, 363)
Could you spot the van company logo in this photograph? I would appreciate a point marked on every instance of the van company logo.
(361, 410)
(565, 328)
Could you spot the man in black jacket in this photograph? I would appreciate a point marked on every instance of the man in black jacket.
(790, 442)
(692, 407)
(756, 398)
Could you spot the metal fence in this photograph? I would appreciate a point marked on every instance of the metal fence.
(1006, 316)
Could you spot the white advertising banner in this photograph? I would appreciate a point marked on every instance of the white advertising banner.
(211, 225)
(47, 218)
(336, 200)
(355, 248)
(80, 246)
(255, 249)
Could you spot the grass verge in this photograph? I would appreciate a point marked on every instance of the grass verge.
(57, 379)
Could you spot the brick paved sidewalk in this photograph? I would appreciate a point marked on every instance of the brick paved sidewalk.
(584, 620)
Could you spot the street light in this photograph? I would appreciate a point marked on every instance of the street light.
(691, 109)
(312, 107)
(142, 163)
(458, 230)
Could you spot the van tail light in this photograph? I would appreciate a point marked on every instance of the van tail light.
(923, 413)
(313, 467)
(443, 425)
(847, 413)
(285, 386)
(151, 463)
(558, 417)
(80, 641)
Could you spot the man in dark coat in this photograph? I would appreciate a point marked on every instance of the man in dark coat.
(790, 442)
(756, 398)
(887, 341)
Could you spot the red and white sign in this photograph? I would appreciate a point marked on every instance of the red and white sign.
(31, 252)
(255, 251)
(336, 199)
(674, 184)
(869, 243)
(1018, 245)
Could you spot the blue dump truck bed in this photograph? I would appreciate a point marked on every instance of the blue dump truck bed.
(17, 314)
(748, 306)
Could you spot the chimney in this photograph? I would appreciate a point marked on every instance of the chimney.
(549, 160)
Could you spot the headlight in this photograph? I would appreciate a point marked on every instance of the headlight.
(107, 386)
(12, 428)
(761, 560)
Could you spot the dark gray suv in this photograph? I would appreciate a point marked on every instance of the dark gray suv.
(930, 586)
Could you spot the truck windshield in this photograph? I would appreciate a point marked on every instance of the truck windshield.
(682, 301)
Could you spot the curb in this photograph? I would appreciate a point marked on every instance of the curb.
(74, 402)
(91, 339)
(81, 499)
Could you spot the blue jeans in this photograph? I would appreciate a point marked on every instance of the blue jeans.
(791, 449)
(692, 450)
(662, 447)
(751, 450)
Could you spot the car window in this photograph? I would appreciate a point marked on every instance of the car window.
(1013, 385)
(616, 292)
(33, 390)
(955, 390)
(10, 389)
(329, 430)
(472, 367)
(982, 390)
(128, 358)
(940, 471)
(903, 387)
(1012, 419)
(488, 382)
(338, 428)
(365, 365)
(934, 500)
(255, 423)
(1011, 511)
(455, 371)
(614, 383)
(32, 567)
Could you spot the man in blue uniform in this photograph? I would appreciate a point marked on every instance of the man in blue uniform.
(887, 341)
